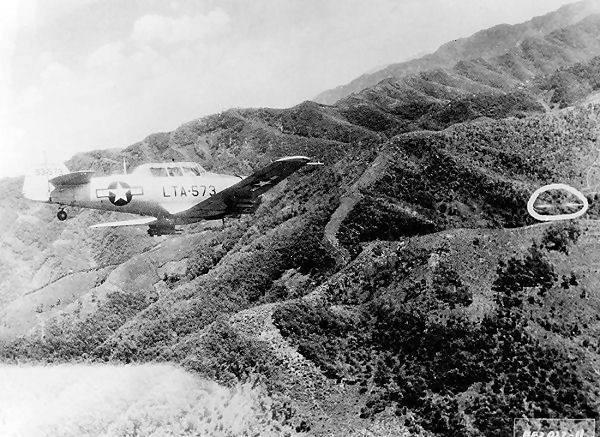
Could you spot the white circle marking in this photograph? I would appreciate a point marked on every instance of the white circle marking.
(548, 218)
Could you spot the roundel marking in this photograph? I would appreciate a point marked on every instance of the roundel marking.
(119, 193)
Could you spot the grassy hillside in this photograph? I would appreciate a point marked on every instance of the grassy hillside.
(459, 332)
(401, 287)
(315, 323)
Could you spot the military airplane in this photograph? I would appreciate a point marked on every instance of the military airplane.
(166, 194)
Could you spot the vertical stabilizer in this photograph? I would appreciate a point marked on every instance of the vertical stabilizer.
(36, 186)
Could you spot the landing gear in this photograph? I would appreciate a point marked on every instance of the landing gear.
(61, 215)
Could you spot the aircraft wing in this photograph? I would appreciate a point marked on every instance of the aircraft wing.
(242, 196)
(74, 178)
(134, 222)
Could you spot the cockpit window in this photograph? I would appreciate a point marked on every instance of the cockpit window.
(191, 171)
(172, 169)
(158, 171)
(175, 171)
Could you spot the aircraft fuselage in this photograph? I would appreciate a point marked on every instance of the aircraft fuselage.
(167, 193)
(144, 195)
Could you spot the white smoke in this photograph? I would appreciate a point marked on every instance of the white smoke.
(126, 400)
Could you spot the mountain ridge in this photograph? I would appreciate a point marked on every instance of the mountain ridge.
(484, 43)
(397, 289)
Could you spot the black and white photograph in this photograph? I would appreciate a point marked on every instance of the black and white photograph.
(361, 218)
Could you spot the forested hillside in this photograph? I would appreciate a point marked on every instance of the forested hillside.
(547, 30)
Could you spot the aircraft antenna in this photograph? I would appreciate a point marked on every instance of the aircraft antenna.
(124, 166)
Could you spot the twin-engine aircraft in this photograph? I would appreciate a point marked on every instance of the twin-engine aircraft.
(167, 194)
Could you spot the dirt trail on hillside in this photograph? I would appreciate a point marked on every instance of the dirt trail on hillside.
(349, 200)
(257, 323)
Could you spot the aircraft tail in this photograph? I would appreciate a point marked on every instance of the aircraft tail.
(37, 186)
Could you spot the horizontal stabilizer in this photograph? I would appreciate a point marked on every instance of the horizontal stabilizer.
(75, 178)
(135, 222)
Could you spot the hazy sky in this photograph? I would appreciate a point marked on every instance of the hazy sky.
(77, 75)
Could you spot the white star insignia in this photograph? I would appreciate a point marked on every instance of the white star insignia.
(119, 192)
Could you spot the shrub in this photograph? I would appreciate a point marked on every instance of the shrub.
(404, 358)
(561, 236)
(449, 288)
(226, 356)
(518, 275)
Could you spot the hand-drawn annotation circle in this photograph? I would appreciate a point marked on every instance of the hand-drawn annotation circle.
(531, 208)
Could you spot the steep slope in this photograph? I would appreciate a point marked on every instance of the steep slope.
(39, 253)
(573, 84)
(82, 261)
(419, 328)
(198, 298)
(486, 44)
(376, 293)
